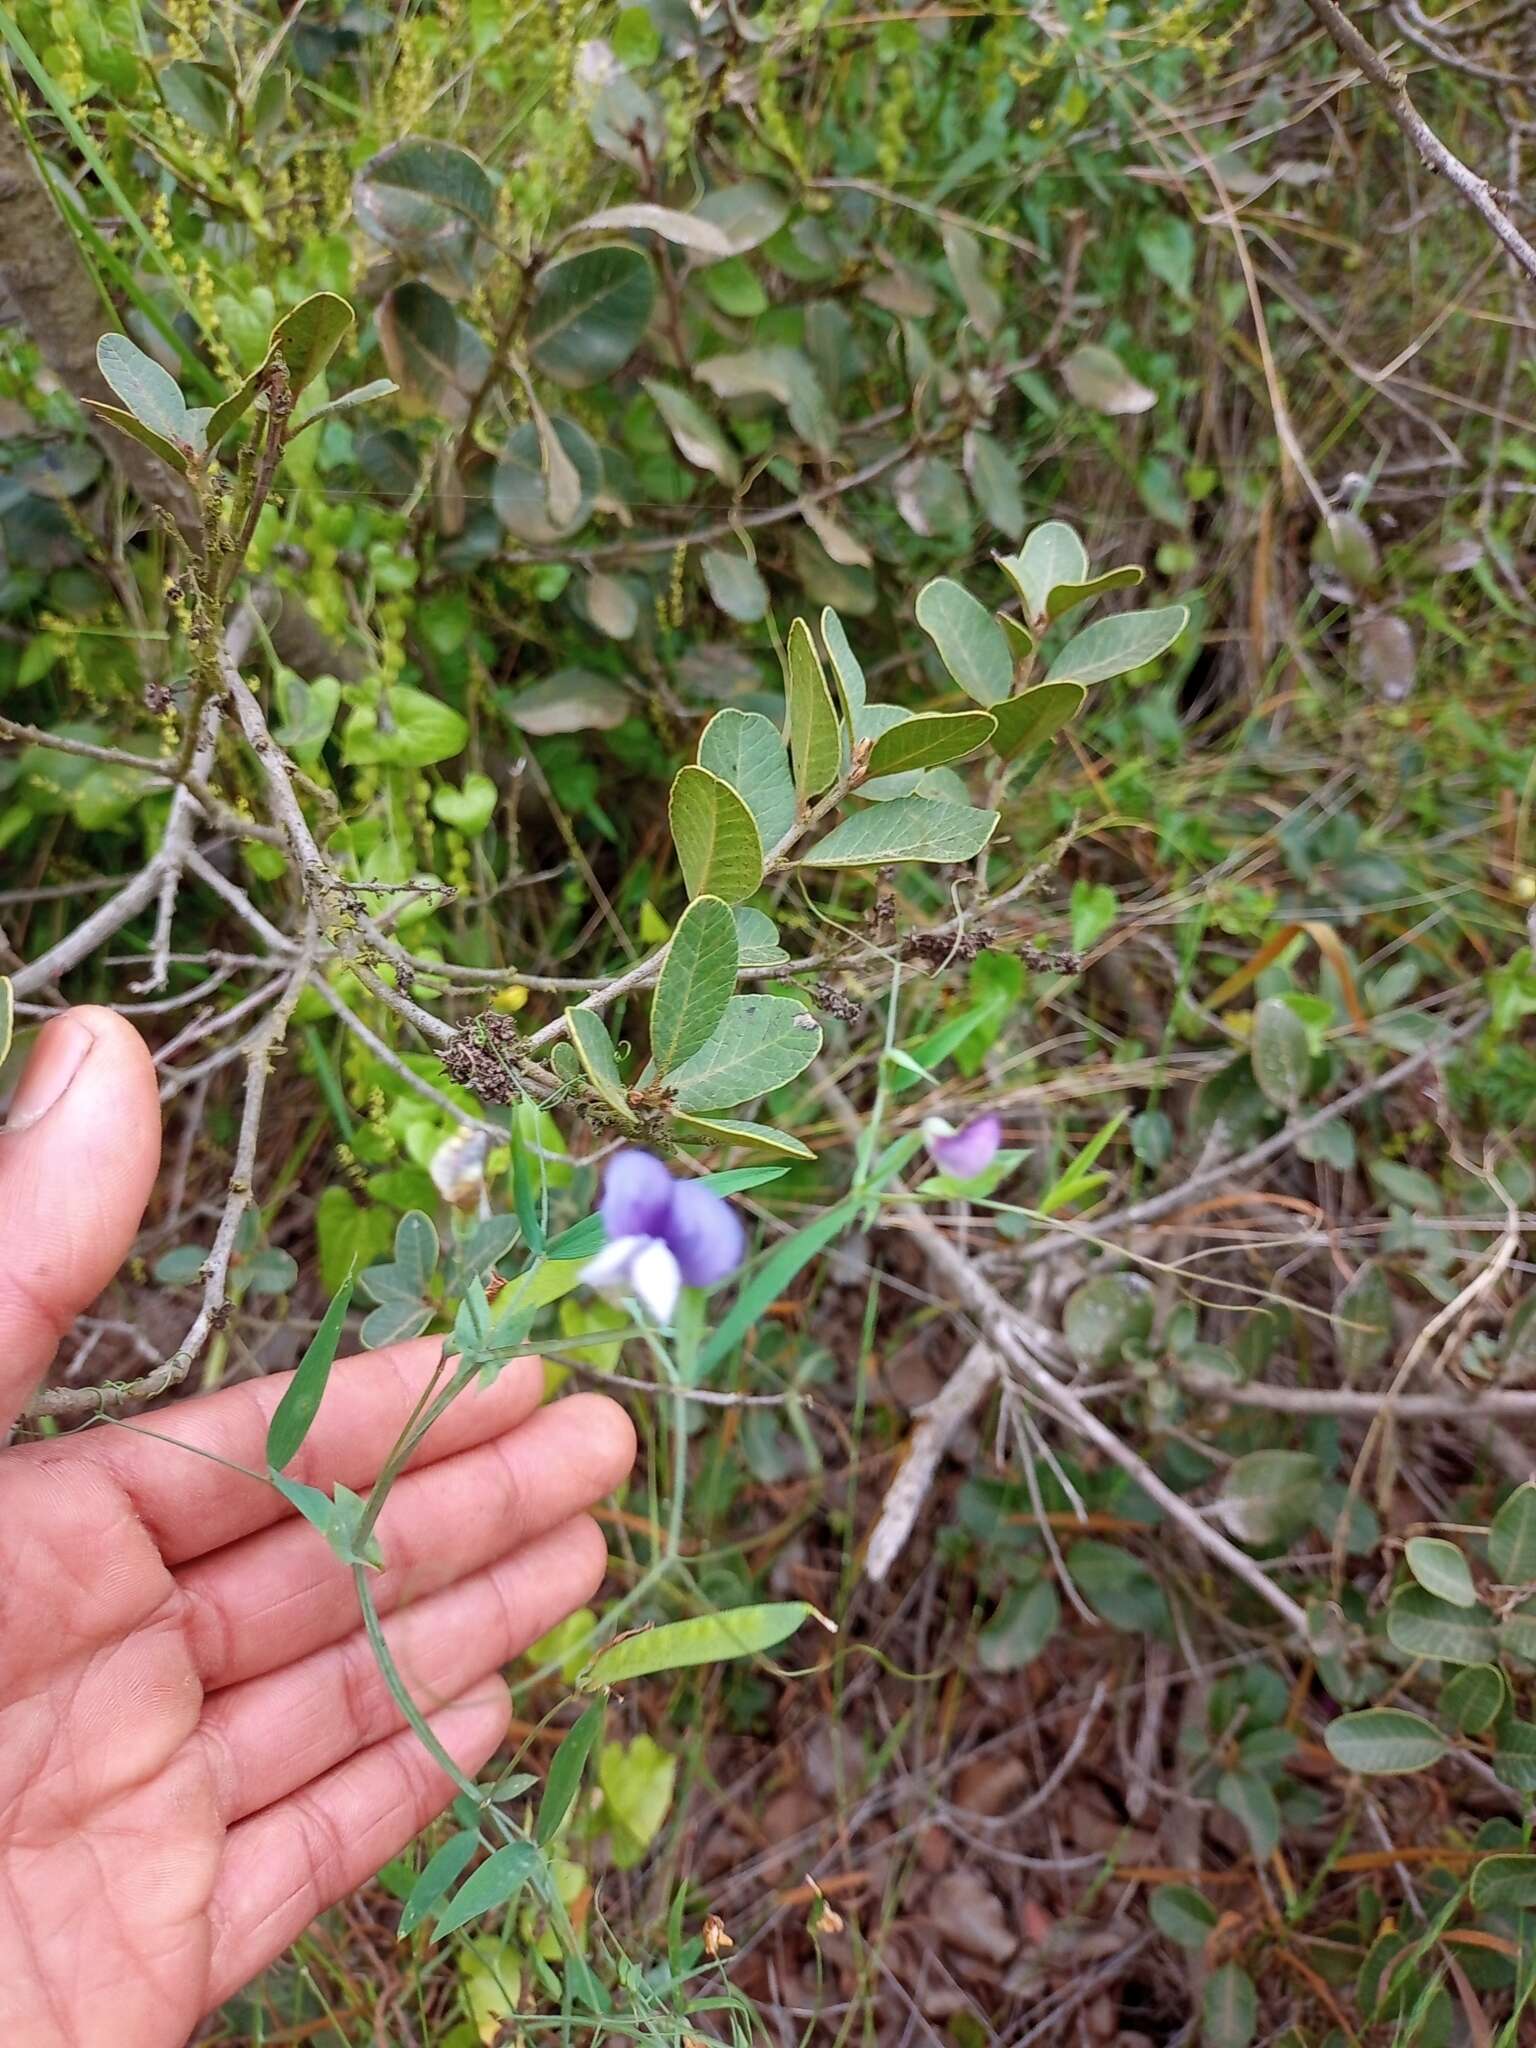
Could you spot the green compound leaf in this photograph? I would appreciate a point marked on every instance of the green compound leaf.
(815, 737)
(716, 836)
(300, 1404)
(589, 313)
(698, 979)
(1052, 555)
(762, 1042)
(1035, 716)
(493, 1886)
(1440, 1569)
(1381, 1742)
(1112, 647)
(567, 1767)
(971, 644)
(1421, 1626)
(706, 1639)
(909, 828)
(746, 750)
(441, 1874)
(929, 740)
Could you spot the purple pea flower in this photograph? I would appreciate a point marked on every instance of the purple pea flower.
(965, 1153)
(663, 1234)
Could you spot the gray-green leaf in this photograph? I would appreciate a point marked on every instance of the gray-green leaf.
(1270, 1496)
(1362, 1322)
(589, 313)
(746, 750)
(911, 828)
(929, 740)
(1035, 716)
(1421, 1626)
(1382, 1742)
(150, 393)
(698, 978)
(1280, 1053)
(1440, 1568)
(599, 1060)
(735, 585)
(1051, 555)
(1112, 647)
(716, 836)
(761, 1042)
(845, 664)
(1512, 1540)
(971, 643)
(695, 434)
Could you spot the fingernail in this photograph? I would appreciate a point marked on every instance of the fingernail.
(56, 1059)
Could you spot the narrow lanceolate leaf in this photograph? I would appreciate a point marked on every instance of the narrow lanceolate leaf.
(1035, 716)
(971, 643)
(565, 1774)
(846, 666)
(300, 1404)
(599, 1061)
(761, 1042)
(1383, 1741)
(1051, 555)
(439, 1877)
(493, 1886)
(815, 744)
(1112, 647)
(706, 1639)
(910, 828)
(1512, 1540)
(716, 836)
(697, 981)
(726, 1130)
(747, 750)
(929, 740)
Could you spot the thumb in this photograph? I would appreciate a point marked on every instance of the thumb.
(78, 1155)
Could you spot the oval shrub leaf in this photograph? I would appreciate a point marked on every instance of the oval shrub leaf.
(910, 828)
(1052, 555)
(1381, 1742)
(589, 312)
(971, 643)
(1035, 716)
(1270, 1496)
(1512, 1539)
(761, 1042)
(1112, 647)
(1421, 1626)
(1440, 1569)
(698, 978)
(716, 836)
(929, 740)
(746, 750)
(1281, 1053)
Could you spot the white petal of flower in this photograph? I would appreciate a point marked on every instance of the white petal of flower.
(610, 1269)
(936, 1127)
(656, 1279)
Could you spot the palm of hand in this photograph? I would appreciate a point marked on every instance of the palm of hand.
(197, 1753)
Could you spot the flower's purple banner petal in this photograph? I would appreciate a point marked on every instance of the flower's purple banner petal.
(637, 1194)
(705, 1234)
(655, 1281)
(964, 1154)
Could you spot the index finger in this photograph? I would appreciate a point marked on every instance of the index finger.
(191, 1505)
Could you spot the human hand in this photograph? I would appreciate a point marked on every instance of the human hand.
(197, 1751)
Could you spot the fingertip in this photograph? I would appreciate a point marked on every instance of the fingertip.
(608, 1436)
